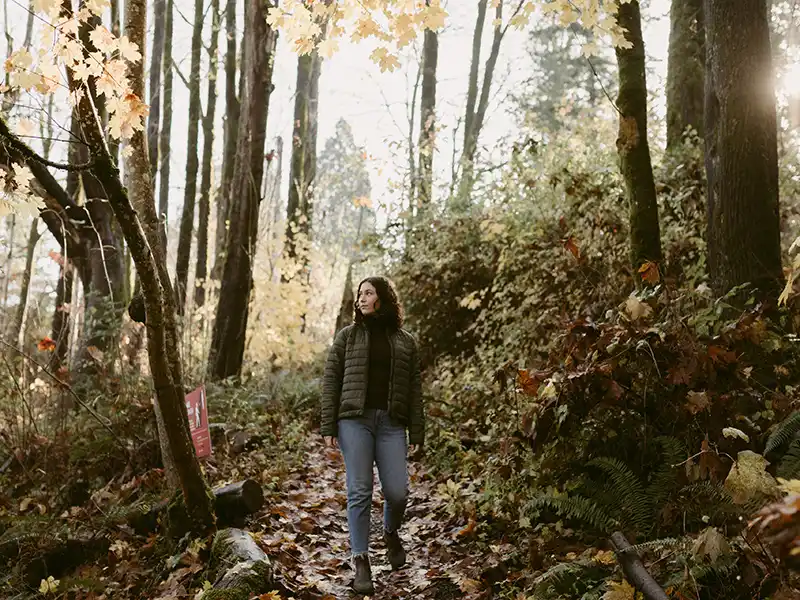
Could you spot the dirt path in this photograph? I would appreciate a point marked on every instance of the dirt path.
(306, 537)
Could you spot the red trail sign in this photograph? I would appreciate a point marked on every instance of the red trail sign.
(197, 409)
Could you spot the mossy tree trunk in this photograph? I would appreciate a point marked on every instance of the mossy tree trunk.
(685, 69)
(201, 266)
(741, 148)
(632, 146)
(230, 136)
(226, 353)
(192, 162)
(304, 156)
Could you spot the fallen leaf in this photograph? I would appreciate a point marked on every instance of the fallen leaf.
(710, 543)
(619, 591)
(697, 402)
(649, 272)
(636, 308)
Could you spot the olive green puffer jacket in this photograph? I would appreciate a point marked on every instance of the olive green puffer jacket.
(344, 386)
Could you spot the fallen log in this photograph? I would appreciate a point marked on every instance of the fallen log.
(232, 503)
(635, 571)
(238, 567)
(236, 501)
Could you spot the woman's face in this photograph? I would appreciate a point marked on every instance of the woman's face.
(368, 301)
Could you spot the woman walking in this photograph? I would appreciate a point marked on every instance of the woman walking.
(371, 395)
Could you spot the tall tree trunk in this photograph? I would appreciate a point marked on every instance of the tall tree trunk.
(104, 286)
(15, 332)
(154, 118)
(61, 329)
(474, 68)
(741, 148)
(427, 126)
(162, 333)
(685, 70)
(304, 155)
(228, 339)
(230, 133)
(474, 121)
(413, 182)
(113, 144)
(632, 146)
(11, 223)
(345, 316)
(192, 163)
(201, 268)
(164, 137)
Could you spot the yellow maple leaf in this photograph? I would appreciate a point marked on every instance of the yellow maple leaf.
(619, 591)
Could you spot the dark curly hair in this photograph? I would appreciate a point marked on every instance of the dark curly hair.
(390, 310)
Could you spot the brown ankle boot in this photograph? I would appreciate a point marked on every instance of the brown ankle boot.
(363, 581)
(394, 549)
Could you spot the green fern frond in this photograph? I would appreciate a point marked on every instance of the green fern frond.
(722, 571)
(629, 491)
(660, 545)
(578, 508)
(784, 432)
(663, 482)
(789, 467)
(566, 579)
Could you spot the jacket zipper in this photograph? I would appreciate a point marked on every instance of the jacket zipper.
(391, 339)
(366, 376)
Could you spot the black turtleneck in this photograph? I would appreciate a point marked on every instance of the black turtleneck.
(380, 364)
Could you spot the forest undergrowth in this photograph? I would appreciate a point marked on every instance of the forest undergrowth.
(568, 397)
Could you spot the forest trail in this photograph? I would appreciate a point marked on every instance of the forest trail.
(305, 535)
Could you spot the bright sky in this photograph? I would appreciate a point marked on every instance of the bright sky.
(374, 103)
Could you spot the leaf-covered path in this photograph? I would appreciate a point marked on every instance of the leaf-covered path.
(305, 534)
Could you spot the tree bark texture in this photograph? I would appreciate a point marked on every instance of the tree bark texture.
(201, 266)
(103, 284)
(345, 316)
(634, 570)
(230, 326)
(685, 68)
(427, 126)
(154, 117)
(15, 333)
(741, 148)
(632, 146)
(166, 128)
(162, 334)
(474, 121)
(192, 162)
(61, 328)
(230, 136)
(304, 153)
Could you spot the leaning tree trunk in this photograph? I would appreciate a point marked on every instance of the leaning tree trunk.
(685, 70)
(11, 222)
(166, 129)
(304, 156)
(192, 164)
(162, 334)
(228, 338)
(632, 146)
(230, 136)
(201, 268)
(15, 332)
(427, 127)
(741, 148)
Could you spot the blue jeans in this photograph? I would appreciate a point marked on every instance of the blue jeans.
(373, 438)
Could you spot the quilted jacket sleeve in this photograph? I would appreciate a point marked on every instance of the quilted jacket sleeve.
(417, 421)
(332, 384)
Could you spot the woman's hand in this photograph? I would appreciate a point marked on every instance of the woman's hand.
(331, 442)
